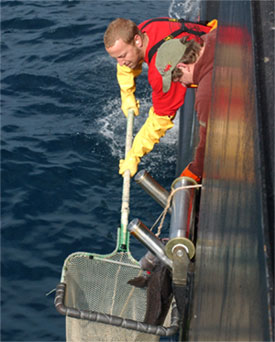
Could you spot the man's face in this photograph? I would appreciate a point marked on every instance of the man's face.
(187, 74)
(125, 54)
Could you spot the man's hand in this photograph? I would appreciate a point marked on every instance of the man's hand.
(188, 173)
(130, 163)
(126, 80)
(129, 102)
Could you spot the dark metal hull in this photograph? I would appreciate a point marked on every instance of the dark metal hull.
(233, 294)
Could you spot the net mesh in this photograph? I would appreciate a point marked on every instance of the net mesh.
(100, 284)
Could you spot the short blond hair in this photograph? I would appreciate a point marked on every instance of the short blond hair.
(121, 28)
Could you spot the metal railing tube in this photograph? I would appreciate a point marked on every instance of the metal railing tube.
(183, 217)
(153, 188)
(149, 240)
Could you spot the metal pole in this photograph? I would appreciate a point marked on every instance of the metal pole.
(123, 241)
(153, 188)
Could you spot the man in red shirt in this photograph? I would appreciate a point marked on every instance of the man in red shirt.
(131, 45)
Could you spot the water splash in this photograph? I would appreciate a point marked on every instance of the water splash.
(187, 9)
(112, 126)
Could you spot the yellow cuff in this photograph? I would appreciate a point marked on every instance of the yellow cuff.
(213, 24)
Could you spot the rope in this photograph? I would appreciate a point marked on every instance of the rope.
(169, 199)
(157, 220)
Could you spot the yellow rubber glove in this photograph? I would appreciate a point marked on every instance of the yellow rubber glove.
(153, 129)
(126, 80)
(130, 163)
(213, 24)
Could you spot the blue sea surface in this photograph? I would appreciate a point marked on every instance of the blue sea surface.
(62, 137)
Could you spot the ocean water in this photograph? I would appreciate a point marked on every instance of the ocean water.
(62, 137)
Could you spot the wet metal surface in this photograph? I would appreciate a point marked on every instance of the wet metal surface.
(231, 301)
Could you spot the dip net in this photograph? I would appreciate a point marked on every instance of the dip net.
(95, 297)
(99, 286)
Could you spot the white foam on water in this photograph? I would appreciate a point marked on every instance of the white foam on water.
(186, 9)
(112, 126)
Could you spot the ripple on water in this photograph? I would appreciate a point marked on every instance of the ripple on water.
(62, 138)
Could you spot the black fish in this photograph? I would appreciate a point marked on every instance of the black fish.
(159, 293)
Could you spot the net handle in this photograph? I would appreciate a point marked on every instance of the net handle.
(123, 241)
(115, 320)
